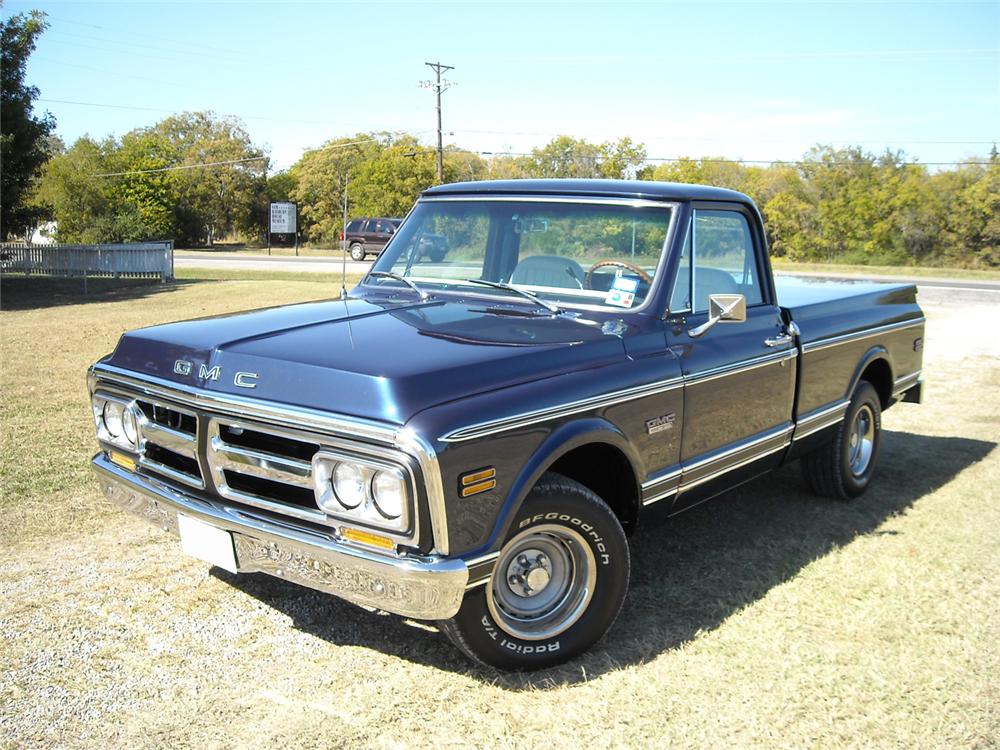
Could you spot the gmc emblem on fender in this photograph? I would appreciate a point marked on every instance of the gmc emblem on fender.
(659, 424)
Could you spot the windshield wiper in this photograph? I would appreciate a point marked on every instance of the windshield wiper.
(403, 279)
(523, 292)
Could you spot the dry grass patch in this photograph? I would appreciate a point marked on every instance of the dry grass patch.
(764, 619)
(51, 333)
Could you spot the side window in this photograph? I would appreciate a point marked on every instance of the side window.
(369, 226)
(354, 226)
(724, 260)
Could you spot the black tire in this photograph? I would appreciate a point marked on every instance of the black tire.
(557, 506)
(357, 251)
(841, 469)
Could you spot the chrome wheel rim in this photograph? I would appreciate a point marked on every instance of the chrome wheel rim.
(542, 583)
(861, 441)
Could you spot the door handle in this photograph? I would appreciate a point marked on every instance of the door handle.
(785, 338)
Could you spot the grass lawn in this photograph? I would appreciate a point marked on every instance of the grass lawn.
(780, 264)
(766, 618)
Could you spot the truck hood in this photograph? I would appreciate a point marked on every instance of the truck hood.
(372, 358)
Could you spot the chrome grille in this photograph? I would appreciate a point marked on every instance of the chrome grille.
(263, 468)
(259, 461)
(168, 442)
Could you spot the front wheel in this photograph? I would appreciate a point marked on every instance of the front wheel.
(357, 252)
(843, 468)
(557, 586)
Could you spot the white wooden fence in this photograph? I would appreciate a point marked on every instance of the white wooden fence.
(134, 260)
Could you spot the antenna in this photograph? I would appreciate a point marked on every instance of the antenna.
(343, 242)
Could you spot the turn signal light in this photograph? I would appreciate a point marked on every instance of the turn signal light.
(477, 481)
(366, 537)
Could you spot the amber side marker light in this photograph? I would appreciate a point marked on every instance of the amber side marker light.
(122, 460)
(366, 537)
(477, 481)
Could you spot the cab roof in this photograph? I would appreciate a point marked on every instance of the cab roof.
(673, 191)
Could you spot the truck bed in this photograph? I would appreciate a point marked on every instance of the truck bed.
(827, 308)
(843, 324)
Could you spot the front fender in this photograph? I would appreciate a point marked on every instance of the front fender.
(567, 437)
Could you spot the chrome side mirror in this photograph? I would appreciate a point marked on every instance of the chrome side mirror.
(722, 308)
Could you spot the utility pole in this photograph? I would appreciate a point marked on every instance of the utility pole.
(439, 86)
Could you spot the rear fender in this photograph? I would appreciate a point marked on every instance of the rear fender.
(872, 355)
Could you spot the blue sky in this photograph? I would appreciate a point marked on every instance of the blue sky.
(742, 81)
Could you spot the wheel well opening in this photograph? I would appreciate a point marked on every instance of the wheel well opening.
(606, 471)
(879, 374)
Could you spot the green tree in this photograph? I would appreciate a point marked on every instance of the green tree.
(384, 175)
(68, 191)
(972, 223)
(565, 156)
(222, 198)
(142, 201)
(320, 177)
(24, 137)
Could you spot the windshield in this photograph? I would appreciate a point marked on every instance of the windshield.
(566, 252)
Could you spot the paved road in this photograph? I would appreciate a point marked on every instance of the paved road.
(937, 289)
(248, 262)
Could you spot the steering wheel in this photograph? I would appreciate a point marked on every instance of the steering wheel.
(620, 263)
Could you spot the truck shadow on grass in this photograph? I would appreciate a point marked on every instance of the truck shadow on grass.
(688, 576)
(37, 293)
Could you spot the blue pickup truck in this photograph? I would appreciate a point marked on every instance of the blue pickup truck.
(471, 437)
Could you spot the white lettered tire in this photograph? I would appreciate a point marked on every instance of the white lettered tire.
(557, 587)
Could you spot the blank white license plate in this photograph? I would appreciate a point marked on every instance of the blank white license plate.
(204, 541)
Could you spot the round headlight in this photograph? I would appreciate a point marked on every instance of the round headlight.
(348, 485)
(112, 416)
(388, 492)
(129, 426)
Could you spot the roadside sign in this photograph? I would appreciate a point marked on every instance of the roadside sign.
(283, 218)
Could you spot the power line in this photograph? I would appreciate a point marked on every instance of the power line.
(229, 162)
(523, 132)
(725, 57)
(116, 73)
(752, 162)
(242, 117)
(184, 44)
(142, 50)
(728, 140)
(183, 166)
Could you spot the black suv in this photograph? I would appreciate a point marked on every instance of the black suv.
(365, 236)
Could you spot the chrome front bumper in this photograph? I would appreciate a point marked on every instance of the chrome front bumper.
(422, 588)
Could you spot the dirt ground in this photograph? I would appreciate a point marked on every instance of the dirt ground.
(766, 618)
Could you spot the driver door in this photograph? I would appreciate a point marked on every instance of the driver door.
(739, 377)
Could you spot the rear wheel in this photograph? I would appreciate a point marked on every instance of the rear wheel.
(843, 468)
(557, 586)
(357, 251)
